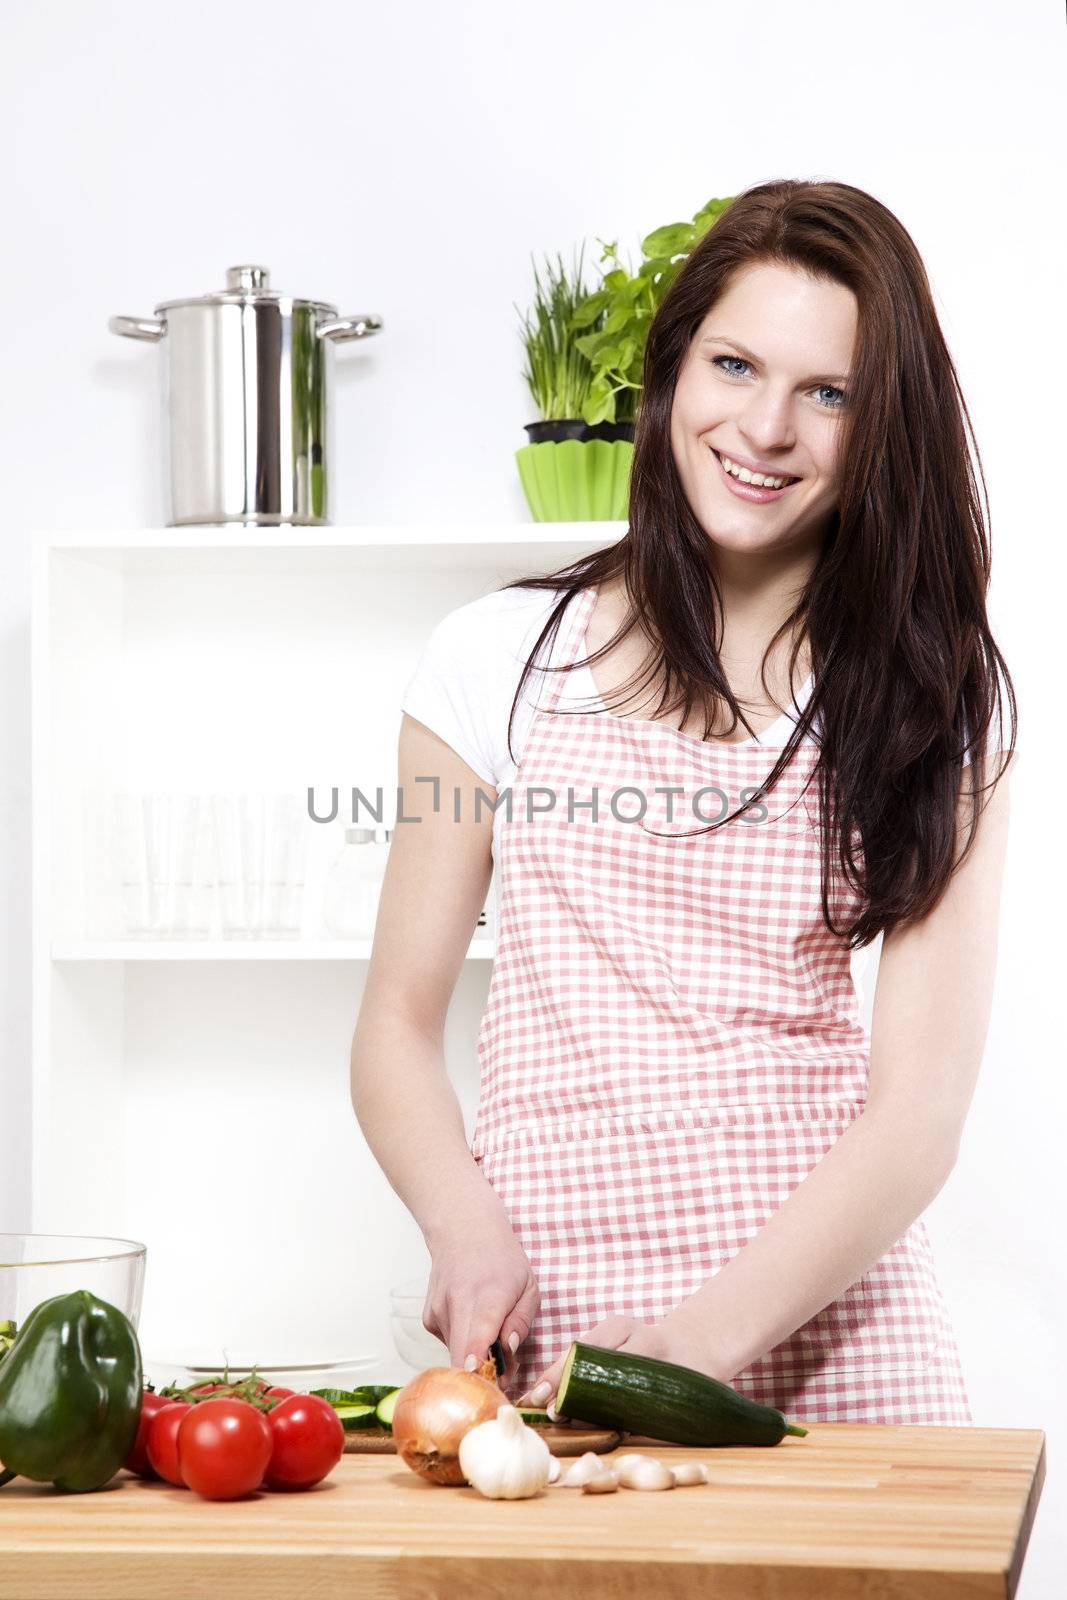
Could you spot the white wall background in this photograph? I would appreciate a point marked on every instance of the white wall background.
(408, 161)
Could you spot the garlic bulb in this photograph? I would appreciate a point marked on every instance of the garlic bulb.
(504, 1459)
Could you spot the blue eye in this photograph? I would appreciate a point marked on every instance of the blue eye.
(717, 359)
(827, 405)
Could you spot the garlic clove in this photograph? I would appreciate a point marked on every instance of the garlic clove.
(690, 1472)
(650, 1474)
(585, 1467)
(604, 1482)
(618, 1462)
(554, 1470)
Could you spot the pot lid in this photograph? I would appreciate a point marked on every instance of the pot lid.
(246, 285)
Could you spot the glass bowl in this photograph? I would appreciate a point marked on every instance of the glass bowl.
(37, 1266)
(414, 1344)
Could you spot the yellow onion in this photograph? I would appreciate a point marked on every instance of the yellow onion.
(435, 1410)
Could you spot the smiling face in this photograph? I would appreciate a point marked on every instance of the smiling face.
(764, 385)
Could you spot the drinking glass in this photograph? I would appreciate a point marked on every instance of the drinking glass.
(168, 864)
(262, 844)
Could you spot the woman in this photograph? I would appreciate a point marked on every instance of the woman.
(687, 1142)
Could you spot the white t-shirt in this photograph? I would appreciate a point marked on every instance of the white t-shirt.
(465, 681)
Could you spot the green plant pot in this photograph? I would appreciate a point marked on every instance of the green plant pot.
(577, 480)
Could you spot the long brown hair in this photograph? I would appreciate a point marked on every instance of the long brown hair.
(906, 670)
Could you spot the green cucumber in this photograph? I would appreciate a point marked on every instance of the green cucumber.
(638, 1394)
(386, 1406)
(534, 1416)
(353, 1418)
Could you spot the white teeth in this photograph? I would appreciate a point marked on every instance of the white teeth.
(757, 479)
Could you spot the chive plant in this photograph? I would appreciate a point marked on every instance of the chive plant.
(557, 372)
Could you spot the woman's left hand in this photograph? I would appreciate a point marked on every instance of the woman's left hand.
(677, 1338)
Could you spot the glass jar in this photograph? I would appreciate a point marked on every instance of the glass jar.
(354, 883)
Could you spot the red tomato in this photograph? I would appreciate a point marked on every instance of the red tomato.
(224, 1447)
(277, 1393)
(137, 1460)
(308, 1441)
(162, 1443)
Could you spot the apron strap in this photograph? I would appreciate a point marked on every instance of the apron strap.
(569, 640)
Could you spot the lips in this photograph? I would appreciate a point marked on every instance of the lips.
(754, 493)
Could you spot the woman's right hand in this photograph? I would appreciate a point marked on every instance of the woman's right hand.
(482, 1286)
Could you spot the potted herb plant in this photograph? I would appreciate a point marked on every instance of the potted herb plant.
(585, 356)
(574, 469)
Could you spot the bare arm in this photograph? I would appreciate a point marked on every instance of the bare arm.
(434, 888)
(931, 1014)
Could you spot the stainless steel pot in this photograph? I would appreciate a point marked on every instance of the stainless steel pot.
(247, 382)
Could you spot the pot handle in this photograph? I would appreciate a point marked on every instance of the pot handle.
(150, 328)
(342, 329)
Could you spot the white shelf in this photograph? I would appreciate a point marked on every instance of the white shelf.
(403, 547)
(231, 950)
(221, 660)
(218, 535)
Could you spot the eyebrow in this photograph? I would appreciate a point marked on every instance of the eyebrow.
(816, 377)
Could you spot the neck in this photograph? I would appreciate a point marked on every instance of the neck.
(758, 593)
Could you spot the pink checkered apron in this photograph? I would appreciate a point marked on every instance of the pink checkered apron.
(671, 1042)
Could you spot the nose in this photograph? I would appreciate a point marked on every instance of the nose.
(767, 420)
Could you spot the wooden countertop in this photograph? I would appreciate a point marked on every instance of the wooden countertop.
(851, 1510)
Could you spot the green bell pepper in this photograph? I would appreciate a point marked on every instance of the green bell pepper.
(70, 1393)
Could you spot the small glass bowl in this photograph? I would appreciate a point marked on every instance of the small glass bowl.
(415, 1345)
(38, 1266)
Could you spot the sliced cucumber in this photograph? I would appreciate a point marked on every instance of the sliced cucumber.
(386, 1406)
(534, 1416)
(368, 1394)
(353, 1418)
(638, 1394)
(365, 1394)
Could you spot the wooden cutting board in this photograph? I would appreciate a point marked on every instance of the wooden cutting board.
(852, 1510)
(561, 1439)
